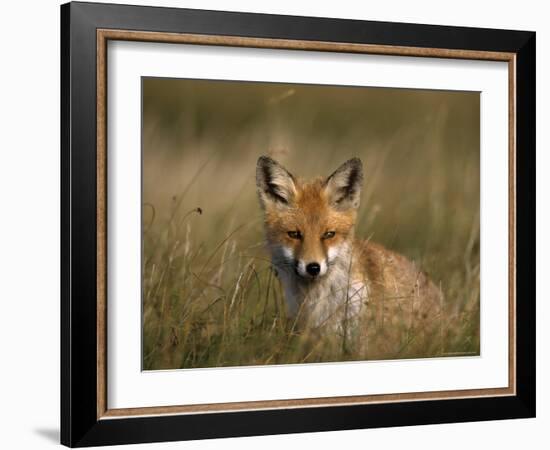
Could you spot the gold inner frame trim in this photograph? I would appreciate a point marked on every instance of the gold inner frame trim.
(103, 36)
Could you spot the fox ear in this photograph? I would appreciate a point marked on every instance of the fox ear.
(343, 187)
(275, 184)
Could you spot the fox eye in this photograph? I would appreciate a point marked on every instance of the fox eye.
(295, 235)
(328, 234)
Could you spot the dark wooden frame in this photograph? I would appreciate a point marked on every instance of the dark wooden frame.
(85, 28)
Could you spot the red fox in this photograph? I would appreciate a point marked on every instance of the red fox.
(330, 278)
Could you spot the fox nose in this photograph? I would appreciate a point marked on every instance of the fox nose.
(313, 269)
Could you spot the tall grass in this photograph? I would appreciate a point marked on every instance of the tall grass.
(210, 296)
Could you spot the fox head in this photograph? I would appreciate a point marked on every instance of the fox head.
(309, 224)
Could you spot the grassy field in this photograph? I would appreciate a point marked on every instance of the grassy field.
(210, 297)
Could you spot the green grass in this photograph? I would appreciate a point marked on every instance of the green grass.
(210, 297)
(224, 306)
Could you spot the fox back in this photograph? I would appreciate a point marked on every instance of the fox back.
(332, 280)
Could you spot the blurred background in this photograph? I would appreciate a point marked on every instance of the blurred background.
(209, 296)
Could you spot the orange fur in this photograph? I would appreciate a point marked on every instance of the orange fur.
(361, 286)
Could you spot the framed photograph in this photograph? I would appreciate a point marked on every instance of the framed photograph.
(276, 224)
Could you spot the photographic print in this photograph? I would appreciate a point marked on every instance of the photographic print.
(279, 203)
(291, 223)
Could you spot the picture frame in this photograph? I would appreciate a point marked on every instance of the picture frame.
(86, 418)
